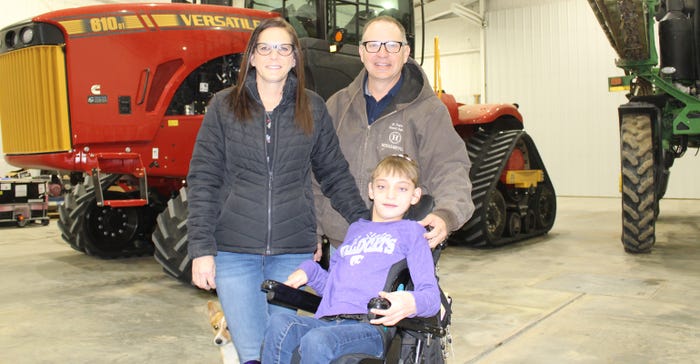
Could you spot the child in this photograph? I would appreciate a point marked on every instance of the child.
(358, 271)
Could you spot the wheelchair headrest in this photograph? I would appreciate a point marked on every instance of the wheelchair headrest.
(421, 209)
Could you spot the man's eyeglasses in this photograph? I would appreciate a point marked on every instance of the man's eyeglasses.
(265, 49)
(373, 46)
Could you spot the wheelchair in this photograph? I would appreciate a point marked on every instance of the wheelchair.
(412, 340)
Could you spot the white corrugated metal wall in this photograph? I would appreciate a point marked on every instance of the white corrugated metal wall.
(459, 46)
(552, 58)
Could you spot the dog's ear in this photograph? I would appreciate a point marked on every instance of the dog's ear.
(211, 308)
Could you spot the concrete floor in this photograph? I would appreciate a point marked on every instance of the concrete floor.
(572, 296)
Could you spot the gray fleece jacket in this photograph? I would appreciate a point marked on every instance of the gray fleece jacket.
(416, 123)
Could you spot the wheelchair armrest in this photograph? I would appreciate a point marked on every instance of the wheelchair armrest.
(428, 325)
(435, 325)
(284, 295)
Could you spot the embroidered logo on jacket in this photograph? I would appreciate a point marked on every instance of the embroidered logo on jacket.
(394, 137)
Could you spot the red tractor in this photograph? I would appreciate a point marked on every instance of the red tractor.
(116, 94)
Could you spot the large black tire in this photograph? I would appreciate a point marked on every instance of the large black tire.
(170, 239)
(72, 210)
(104, 232)
(639, 202)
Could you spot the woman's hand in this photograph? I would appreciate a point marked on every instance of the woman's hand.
(204, 272)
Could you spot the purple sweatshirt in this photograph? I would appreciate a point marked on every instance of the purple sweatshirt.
(359, 268)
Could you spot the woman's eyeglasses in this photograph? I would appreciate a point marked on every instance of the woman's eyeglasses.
(373, 46)
(265, 49)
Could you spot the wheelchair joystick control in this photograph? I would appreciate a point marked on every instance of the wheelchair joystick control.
(377, 302)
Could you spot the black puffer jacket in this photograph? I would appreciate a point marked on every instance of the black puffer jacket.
(238, 202)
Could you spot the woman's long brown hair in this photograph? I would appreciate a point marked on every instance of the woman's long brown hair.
(241, 102)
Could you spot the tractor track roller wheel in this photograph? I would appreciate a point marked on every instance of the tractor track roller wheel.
(495, 216)
(486, 226)
(639, 203)
(545, 207)
(170, 239)
(514, 224)
(529, 221)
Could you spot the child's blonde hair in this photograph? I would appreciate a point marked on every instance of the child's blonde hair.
(398, 164)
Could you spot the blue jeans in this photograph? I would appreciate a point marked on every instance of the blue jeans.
(238, 280)
(318, 341)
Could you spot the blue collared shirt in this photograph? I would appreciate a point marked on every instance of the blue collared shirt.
(374, 107)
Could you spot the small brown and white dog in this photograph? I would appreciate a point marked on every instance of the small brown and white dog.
(222, 337)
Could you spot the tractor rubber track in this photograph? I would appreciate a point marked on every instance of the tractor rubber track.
(489, 152)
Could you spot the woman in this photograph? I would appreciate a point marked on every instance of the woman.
(251, 212)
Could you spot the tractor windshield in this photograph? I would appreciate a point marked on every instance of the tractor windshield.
(320, 18)
(302, 14)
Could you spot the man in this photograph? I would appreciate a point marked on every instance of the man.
(390, 108)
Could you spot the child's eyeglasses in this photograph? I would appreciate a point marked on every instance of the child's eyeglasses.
(265, 49)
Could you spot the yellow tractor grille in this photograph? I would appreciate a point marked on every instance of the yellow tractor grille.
(34, 101)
